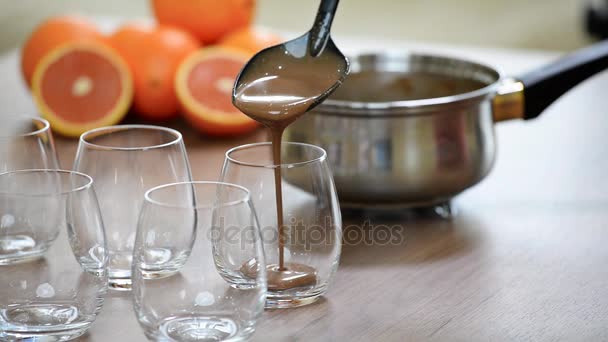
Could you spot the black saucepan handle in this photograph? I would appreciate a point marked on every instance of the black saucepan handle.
(319, 34)
(547, 84)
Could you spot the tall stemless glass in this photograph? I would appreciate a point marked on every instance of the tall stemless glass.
(312, 222)
(125, 161)
(26, 143)
(192, 240)
(53, 290)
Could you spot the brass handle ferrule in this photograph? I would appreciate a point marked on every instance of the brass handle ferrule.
(509, 100)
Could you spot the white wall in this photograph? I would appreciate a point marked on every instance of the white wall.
(538, 24)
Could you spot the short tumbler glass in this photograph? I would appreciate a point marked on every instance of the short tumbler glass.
(52, 287)
(311, 216)
(125, 161)
(192, 239)
(26, 143)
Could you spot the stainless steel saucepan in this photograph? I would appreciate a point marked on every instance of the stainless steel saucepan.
(416, 130)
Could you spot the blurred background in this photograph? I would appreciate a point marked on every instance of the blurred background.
(540, 24)
(466, 28)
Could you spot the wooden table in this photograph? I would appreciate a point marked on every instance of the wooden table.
(525, 259)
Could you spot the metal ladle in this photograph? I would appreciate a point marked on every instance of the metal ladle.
(315, 45)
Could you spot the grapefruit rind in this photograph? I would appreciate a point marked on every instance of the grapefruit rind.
(70, 129)
(191, 104)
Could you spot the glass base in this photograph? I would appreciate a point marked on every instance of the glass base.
(201, 329)
(286, 303)
(43, 322)
(16, 249)
(120, 284)
(42, 337)
(119, 279)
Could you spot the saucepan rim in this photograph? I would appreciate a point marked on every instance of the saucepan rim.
(428, 106)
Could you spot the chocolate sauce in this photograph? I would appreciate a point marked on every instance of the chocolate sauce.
(385, 86)
(276, 90)
(293, 275)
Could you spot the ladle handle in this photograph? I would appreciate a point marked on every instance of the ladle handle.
(545, 85)
(319, 34)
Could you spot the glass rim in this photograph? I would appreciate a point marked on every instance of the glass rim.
(45, 127)
(87, 185)
(245, 199)
(319, 159)
(116, 128)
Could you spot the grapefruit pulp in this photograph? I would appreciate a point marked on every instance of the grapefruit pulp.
(81, 86)
(204, 82)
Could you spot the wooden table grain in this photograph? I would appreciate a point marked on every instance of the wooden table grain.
(526, 257)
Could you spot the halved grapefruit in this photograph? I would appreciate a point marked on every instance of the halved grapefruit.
(50, 34)
(204, 83)
(80, 86)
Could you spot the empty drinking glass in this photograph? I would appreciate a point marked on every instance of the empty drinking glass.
(188, 285)
(53, 274)
(26, 143)
(312, 231)
(125, 161)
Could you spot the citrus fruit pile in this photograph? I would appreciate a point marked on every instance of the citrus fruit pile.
(185, 63)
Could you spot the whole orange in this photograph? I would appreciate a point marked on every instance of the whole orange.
(153, 55)
(50, 34)
(208, 20)
(251, 39)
